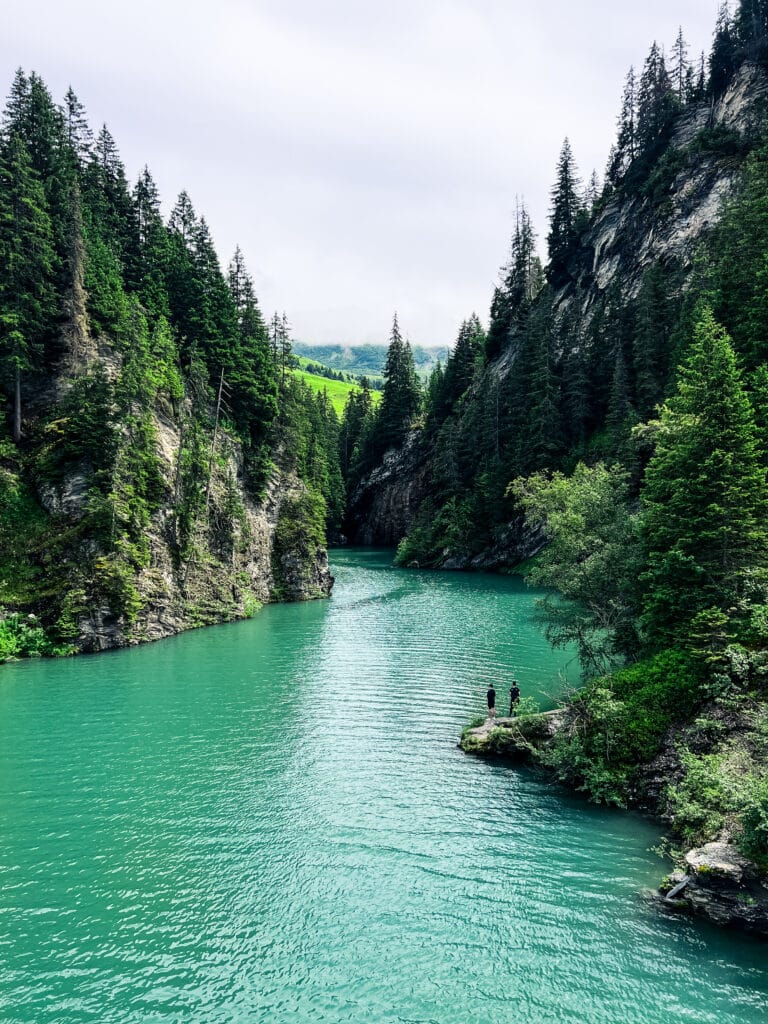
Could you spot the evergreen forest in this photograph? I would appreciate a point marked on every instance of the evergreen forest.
(116, 323)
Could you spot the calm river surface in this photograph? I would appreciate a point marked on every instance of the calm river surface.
(270, 821)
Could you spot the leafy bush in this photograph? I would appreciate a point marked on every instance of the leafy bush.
(701, 800)
(754, 820)
(655, 693)
(22, 637)
(620, 722)
(724, 790)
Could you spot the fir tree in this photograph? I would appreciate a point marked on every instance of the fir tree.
(78, 133)
(565, 216)
(521, 280)
(401, 398)
(680, 68)
(252, 372)
(592, 192)
(183, 219)
(461, 366)
(722, 58)
(751, 27)
(620, 410)
(625, 150)
(357, 414)
(650, 341)
(655, 103)
(285, 346)
(147, 260)
(28, 263)
(705, 500)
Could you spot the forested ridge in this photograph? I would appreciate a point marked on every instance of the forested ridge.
(150, 409)
(613, 419)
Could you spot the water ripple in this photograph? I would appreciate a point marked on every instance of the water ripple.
(271, 822)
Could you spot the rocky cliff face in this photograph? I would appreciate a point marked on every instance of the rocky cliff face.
(664, 225)
(382, 507)
(235, 558)
(630, 235)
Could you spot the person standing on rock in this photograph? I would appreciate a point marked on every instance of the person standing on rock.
(514, 698)
(491, 702)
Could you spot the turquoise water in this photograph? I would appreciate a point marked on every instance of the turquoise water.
(270, 821)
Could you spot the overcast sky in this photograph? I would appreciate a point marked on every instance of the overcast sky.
(366, 156)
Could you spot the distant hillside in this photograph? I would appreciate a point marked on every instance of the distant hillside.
(367, 360)
(337, 390)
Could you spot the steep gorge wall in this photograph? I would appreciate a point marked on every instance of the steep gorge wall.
(665, 224)
(243, 549)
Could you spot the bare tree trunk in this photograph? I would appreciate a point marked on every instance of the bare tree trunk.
(17, 408)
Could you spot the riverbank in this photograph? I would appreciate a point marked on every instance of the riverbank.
(714, 882)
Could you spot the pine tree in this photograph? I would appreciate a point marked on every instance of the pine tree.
(28, 262)
(705, 499)
(521, 280)
(446, 387)
(107, 196)
(722, 58)
(78, 132)
(740, 262)
(758, 396)
(700, 88)
(751, 27)
(215, 317)
(357, 413)
(75, 331)
(576, 396)
(544, 428)
(655, 104)
(565, 216)
(401, 398)
(285, 347)
(183, 219)
(275, 331)
(147, 260)
(620, 408)
(592, 193)
(253, 373)
(15, 118)
(626, 147)
(650, 341)
(680, 68)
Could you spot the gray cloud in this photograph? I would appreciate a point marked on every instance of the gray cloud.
(366, 157)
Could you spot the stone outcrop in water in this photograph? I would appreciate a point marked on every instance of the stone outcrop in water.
(719, 885)
(519, 739)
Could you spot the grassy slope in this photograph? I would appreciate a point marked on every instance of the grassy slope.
(337, 390)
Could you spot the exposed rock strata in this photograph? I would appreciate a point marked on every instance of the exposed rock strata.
(719, 885)
(234, 567)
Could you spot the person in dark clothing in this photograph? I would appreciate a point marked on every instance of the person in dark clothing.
(491, 702)
(514, 698)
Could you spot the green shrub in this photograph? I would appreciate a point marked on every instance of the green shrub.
(700, 801)
(23, 637)
(620, 722)
(754, 821)
(655, 693)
